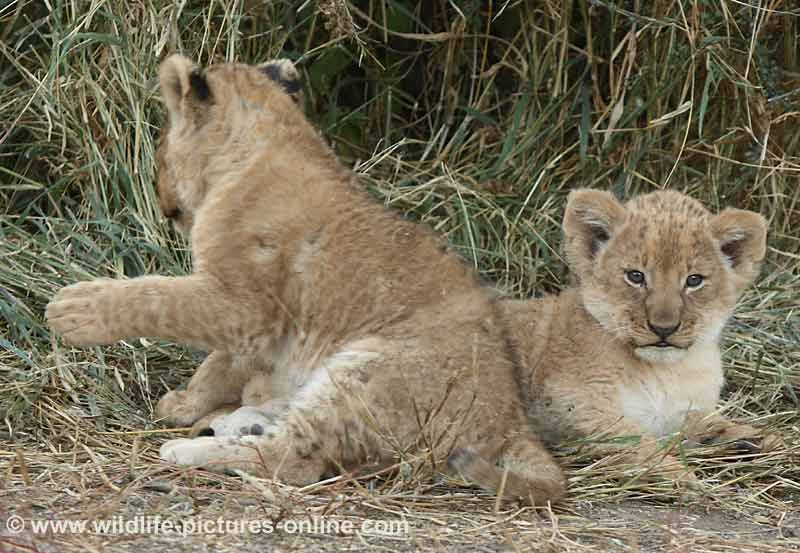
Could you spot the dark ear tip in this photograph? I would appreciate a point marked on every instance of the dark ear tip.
(284, 73)
(199, 85)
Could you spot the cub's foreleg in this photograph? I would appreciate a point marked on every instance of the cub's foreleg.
(218, 381)
(634, 445)
(193, 310)
(713, 428)
(373, 399)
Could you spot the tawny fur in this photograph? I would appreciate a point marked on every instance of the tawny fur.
(375, 339)
(589, 367)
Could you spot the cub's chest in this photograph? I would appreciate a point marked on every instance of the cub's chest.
(658, 396)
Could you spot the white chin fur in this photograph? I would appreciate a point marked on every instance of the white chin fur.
(660, 355)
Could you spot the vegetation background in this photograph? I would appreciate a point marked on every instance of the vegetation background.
(473, 117)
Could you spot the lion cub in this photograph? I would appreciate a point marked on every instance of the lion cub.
(374, 338)
(632, 348)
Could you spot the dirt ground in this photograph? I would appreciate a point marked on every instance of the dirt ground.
(435, 517)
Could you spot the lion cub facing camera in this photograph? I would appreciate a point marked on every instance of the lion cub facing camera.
(632, 348)
(374, 339)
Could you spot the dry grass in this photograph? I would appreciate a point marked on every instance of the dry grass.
(473, 117)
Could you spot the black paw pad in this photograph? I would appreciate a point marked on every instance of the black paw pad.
(254, 429)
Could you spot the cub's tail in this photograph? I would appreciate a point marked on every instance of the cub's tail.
(524, 471)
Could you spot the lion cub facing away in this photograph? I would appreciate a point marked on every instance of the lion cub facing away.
(632, 348)
(378, 340)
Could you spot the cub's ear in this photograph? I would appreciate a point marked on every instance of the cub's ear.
(184, 86)
(590, 219)
(285, 74)
(742, 238)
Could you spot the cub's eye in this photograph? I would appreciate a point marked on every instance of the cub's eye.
(635, 278)
(694, 281)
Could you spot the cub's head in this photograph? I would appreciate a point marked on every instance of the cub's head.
(215, 115)
(660, 272)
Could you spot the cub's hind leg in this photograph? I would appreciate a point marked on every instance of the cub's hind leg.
(297, 446)
(249, 419)
(202, 427)
(276, 454)
(373, 400)
(320, 427)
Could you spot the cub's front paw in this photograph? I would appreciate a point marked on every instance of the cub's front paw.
(741, 437)
(754, 442)
(78, 313)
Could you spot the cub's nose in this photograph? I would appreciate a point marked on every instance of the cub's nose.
(663, 332)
